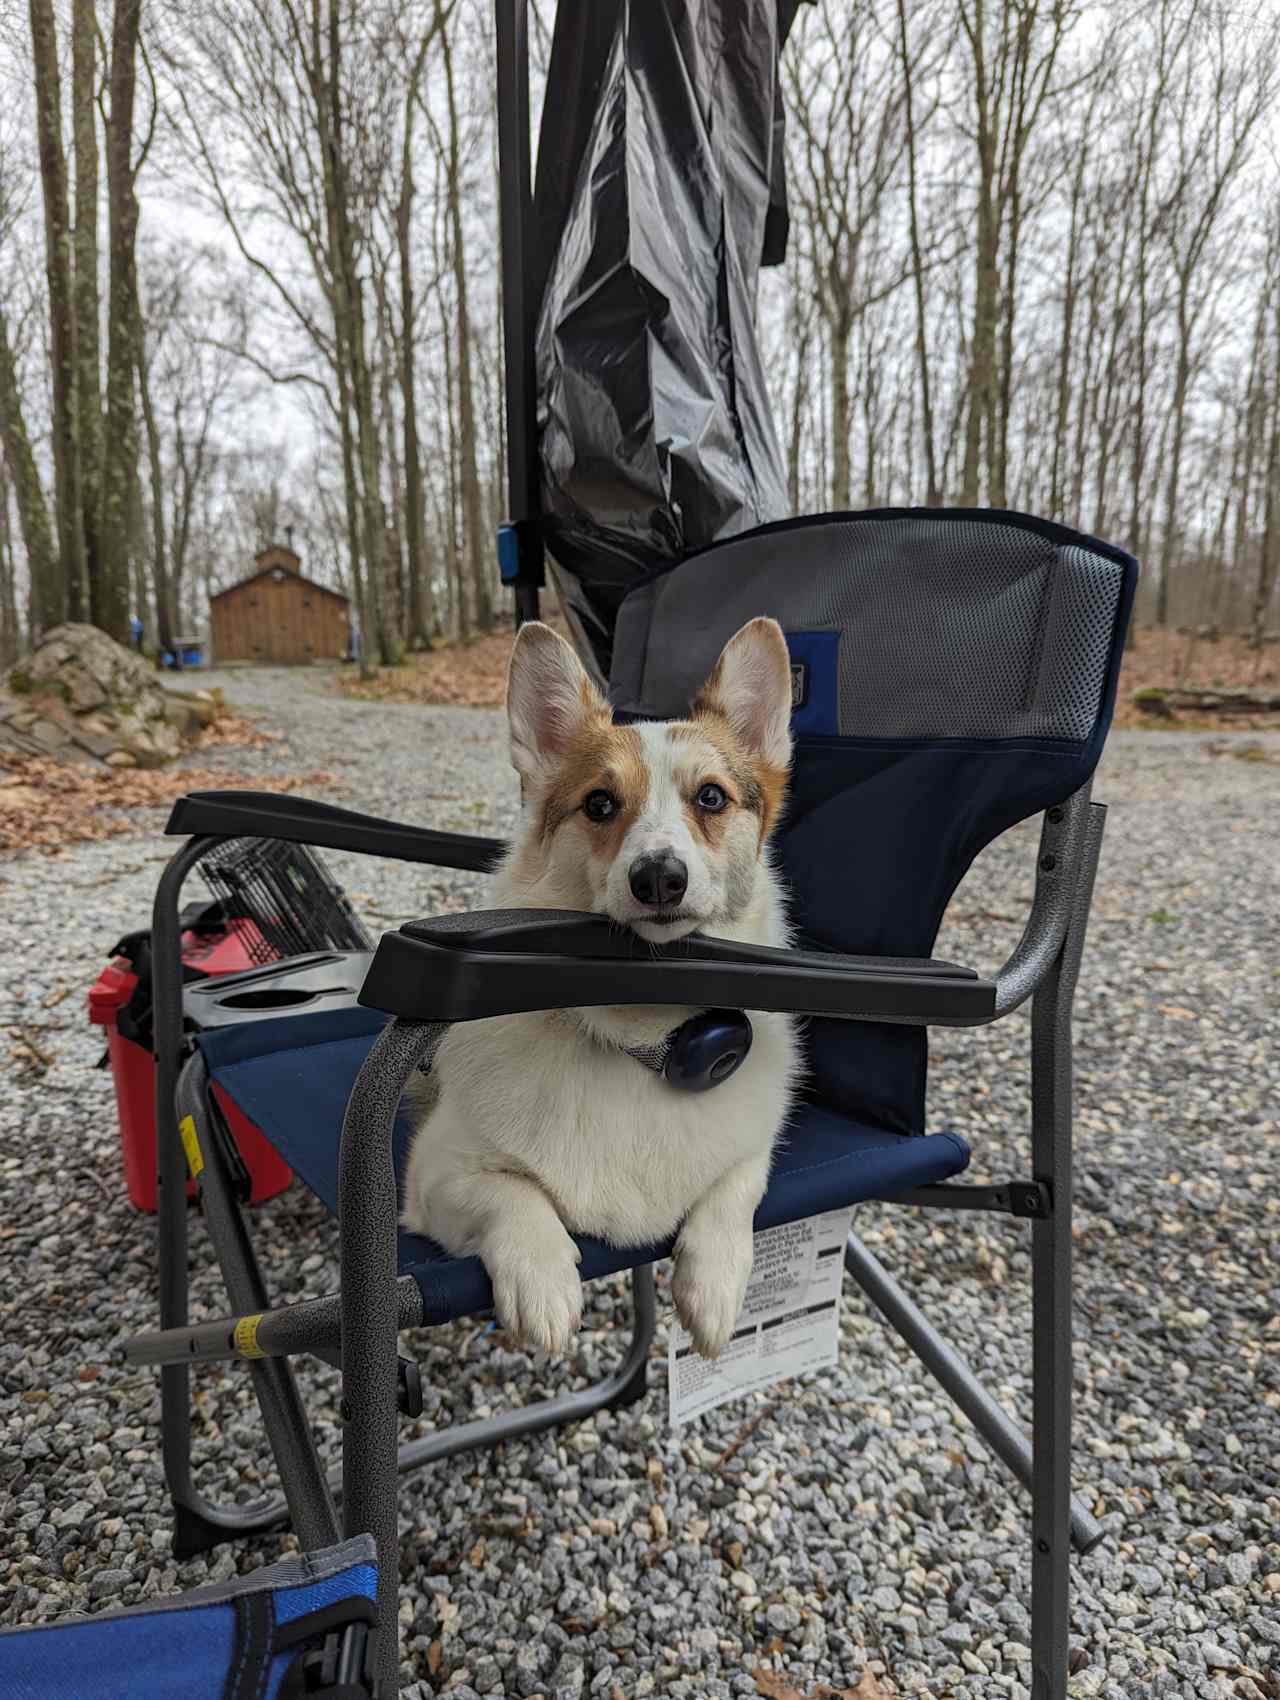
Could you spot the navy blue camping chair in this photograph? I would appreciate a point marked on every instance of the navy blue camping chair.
(305, 1626)
(954, 672)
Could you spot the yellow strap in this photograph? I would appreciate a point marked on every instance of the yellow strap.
(246, 1337)
(191, 1145)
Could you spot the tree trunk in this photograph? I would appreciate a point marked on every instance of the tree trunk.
(986, 278)
(166, 617)
(478, 555)
(350, 358)
(351, 495)
(46, 589)
(460, 607)
(1069, 292)
(841, 407)
(10, 635)
(1178, 416)
(933, 494)
(1270, 550)
(395, 589)
(799, 403)
(110, 590)
(84, 49)
(423, 619)
(71, 594)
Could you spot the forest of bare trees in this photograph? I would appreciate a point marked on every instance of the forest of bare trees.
(249, 283)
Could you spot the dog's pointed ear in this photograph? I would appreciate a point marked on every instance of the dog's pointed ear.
(549, 698)
(750, 687)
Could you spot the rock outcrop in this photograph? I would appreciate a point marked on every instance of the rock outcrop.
(80, 694)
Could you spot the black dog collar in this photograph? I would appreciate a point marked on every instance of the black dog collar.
(701, 1053)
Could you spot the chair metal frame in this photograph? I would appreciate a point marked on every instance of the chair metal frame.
(358, 1327)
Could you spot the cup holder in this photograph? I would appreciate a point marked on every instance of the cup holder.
(271, 997)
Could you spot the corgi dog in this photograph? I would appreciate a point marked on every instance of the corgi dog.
(533, 1127)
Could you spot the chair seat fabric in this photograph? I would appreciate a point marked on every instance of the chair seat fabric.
(204, 1645)
(292, 1078)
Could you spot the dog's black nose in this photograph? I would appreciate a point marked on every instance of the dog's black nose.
(660, 881)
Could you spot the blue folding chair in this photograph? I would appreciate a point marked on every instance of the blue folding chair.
(306, 1626)
(954, 673)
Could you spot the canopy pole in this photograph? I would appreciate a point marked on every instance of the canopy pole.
(521, 549)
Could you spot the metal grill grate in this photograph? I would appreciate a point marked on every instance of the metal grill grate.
(287, 897)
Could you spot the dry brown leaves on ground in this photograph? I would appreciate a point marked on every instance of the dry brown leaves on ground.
(474, 675)
(458, 675)
(1170, 660)
(775, 1686)
(232, 730)
(463, 675)
(46, 805)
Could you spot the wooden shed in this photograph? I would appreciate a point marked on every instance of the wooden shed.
(278, 615)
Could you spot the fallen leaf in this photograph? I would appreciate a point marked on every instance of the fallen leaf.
(51, 804)
(435, 1657)
(1177, 1012)
(774, 1685)
(90, 1372)
(869, 1687)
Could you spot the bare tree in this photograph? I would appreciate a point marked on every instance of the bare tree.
(1013, 49)
(1212, 129)
(71, 595)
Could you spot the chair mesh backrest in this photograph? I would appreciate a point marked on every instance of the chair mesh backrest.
(953, 672)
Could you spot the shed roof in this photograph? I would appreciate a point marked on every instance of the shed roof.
(295, 578)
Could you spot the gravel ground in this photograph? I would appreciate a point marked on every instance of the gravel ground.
(852, 1524)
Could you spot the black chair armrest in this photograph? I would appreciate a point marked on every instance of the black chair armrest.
(504, 962)
(265, 814)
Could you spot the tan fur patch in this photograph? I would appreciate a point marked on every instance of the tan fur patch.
(758, 785)
(601, 757)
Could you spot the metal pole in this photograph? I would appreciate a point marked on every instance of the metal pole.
(1051, 1279)
(519, 308)
(367, 1219)
(954, 1376)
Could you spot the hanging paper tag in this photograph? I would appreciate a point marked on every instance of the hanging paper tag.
(789, 1322)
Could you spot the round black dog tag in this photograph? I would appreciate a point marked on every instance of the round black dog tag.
(707, 1049)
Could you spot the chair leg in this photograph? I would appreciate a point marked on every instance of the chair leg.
(1051, 1338)
(1004, 1436)
(284, 1416)
(1051, 1289)
(367, 1217)
(1051, 1450)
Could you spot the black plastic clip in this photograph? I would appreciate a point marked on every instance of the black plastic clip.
(408, 1387)
(237, 1169)
(342, 1666)
(1031, 1199)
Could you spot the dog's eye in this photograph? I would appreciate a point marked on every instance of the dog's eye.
(712, 799)
(599, 805)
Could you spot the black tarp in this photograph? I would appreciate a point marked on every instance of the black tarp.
(660, 193)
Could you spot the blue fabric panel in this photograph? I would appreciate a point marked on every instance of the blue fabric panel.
(167, 1650)
(297, 1095)
(818, 655)
(166, 1655)
(245, 1039)
(876, 837)
(291, 1603)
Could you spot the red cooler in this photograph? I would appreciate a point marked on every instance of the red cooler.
(224, 951)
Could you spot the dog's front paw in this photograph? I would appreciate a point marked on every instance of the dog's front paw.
(538, 1295)
(708, 1286)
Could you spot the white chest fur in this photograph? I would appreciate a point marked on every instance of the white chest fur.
(621, 1154)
